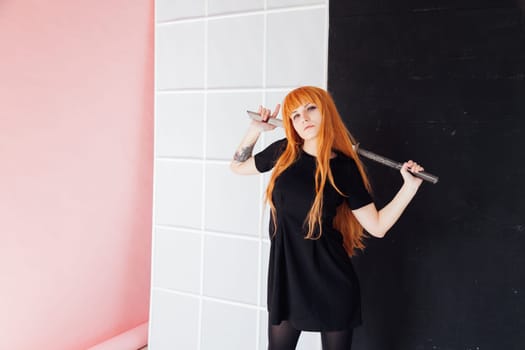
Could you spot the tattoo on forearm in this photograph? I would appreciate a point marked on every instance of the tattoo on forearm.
(244, 154)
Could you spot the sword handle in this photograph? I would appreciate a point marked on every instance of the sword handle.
(256, 116)
(393, 164)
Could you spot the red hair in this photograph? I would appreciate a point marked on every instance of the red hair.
(333, 136)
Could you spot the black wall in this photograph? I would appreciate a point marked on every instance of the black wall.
(440, 82)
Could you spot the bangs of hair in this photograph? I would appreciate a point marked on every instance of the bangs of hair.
(300, 97)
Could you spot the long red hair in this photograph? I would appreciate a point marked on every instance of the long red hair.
(333, 136)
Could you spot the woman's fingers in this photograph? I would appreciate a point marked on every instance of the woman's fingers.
(413, 166)
(263, 124)
(276, 111)
(266, 113)
(263, 112)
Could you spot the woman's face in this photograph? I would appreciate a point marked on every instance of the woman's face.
(306, 121)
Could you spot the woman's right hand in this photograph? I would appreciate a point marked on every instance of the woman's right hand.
(266, 113)
(411, 180)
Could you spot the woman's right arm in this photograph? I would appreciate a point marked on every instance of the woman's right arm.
(243, 162)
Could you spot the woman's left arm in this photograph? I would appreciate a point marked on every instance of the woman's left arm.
(377, 223)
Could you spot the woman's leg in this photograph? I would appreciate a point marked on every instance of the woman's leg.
(282, 336)
(337, 340)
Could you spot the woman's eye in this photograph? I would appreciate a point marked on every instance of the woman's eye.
(295, 116)
(310, 108)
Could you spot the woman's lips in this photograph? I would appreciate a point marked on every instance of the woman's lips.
(308, 127)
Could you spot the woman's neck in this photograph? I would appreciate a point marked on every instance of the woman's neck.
(310, 147)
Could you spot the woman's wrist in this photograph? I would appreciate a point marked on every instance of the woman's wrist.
(255, 128)
(410, 187)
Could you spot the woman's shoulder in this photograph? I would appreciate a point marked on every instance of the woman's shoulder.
(266, 159)
(343, 157)
(345, 162)
(279, 143)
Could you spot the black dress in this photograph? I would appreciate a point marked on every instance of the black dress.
(311, 283)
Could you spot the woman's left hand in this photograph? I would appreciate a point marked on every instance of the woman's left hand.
(410, 179)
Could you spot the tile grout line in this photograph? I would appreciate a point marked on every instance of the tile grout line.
(261, 182)
(220, 90)
(326, 43)
(203, 194)
(211, 233)
(238, 14)
(209, 298)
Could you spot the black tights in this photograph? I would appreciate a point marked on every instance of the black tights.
(284, 337)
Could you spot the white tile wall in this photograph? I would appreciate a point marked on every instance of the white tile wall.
(232, 203)
(178, 193)
(235, 52)
(226, 326)
(179, 124)
(295, 48)
(227, 121)
(167, 10)
(179, 55)
(174, 322)
(263, 329)
(287, 3)
(233, 6)
(309, 341)
(230, 269)
(214, 60)
(177, 260)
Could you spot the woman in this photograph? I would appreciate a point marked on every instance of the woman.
(320, 202)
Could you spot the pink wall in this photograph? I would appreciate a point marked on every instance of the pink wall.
(76, 159)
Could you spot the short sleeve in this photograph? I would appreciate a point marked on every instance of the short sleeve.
(266, 159)
(351, 184)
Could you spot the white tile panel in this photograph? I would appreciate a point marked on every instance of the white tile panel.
(296, 48)
(275, 97)
(231, 201)
(295, 55)
(227, 122)
(230, 269)
(178, 194)
(309, 341)
(166, 10)
(179, 126)
(177, 260)
(287, 3)
(226, 326)
(272, 136)
(235, 52)
(231, 6)
(180, 55)
(263, 330)
(174, 322)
